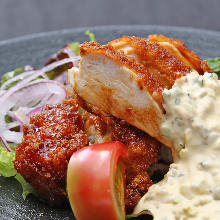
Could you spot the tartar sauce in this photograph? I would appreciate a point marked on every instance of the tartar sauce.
(191, 188)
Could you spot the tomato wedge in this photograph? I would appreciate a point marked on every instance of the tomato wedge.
(95, 182)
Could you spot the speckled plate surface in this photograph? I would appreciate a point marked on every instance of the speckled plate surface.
(35, 49)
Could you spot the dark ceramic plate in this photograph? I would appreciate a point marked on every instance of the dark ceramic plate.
(35, 49)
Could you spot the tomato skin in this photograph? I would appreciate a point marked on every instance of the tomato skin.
(90, 182)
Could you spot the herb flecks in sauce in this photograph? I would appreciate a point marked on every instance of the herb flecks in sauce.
(190, 190)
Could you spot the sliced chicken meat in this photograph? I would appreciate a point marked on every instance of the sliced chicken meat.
(126, 77)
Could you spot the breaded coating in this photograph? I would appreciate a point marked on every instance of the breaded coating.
(53, 135)
(142, 152)
(49, 141)
(116, 84)
(127, 76)
(156, 59)
(179, 49)
(96, 129)
(151, 82)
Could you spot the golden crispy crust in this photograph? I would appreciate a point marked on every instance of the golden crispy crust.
(142, 152)
(49, 141)
(156, 57)
(199, 65)
(150, 81)
(157, 68)
(146, 116)
(144, 68)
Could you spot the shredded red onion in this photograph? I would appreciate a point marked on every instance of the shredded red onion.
(22, 115)
(26, 77)
(35, 110)
(28, 96)
(71, 54)
(36, 94)
(28, 71)
(16, 78)
(1, 93)
(13, 124)
(28, 68)
(62, 78)
(12, 136)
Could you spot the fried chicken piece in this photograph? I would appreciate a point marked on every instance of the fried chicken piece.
(106, 81)
(156, 59)
(126, 78)
(56, 133)
(142, 152)
(179, 49)
(96, 129)
(49, 141)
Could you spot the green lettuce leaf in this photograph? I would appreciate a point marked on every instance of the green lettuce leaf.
(26, 187)
(74, 47)
(6, 163)
(7, 170)
(9, 75)
(215, 65)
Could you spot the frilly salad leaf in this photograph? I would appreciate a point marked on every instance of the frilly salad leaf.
(6, 163)
(7, 170)
(215, 65)
(26, 187)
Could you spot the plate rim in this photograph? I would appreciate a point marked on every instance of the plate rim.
(178, 29)
(100, 27)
